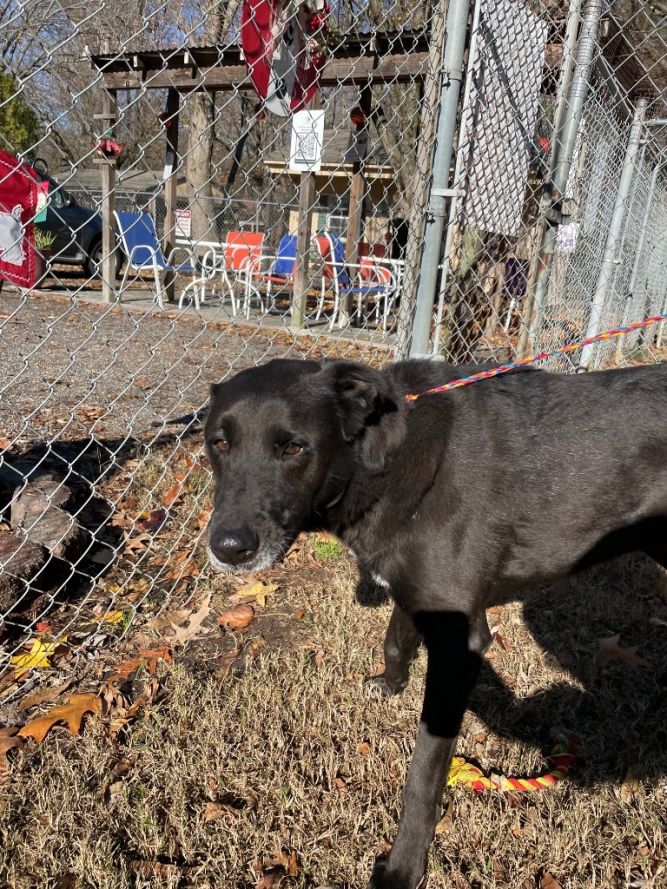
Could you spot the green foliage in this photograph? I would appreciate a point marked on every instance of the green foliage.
(19, 126)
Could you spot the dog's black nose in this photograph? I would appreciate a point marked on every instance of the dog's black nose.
(234, 545)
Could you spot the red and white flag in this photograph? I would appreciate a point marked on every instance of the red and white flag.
(283, 43)
(19, 192)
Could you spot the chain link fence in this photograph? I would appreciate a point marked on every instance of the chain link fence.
(490, 179)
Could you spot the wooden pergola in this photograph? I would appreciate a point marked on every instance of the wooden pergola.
(363, 61)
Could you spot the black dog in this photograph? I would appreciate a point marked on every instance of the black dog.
(456, 502)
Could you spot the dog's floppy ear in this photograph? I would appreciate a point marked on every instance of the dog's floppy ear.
(370, 410)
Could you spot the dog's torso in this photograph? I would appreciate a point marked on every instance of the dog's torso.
(511, 482)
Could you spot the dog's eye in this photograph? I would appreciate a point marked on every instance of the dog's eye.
(292, 449)
(222, 445)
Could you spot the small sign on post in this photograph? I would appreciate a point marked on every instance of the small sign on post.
(183, 223)
(307, 141)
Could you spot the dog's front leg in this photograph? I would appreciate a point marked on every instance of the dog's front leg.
(454, 650)
(400, 649)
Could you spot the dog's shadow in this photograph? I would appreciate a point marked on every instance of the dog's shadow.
(618, 711)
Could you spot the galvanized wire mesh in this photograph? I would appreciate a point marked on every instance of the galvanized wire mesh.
(103, 486)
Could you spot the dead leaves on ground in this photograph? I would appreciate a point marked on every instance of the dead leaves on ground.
(148, 658)
(612, 649)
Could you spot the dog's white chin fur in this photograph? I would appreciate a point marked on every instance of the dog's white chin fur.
(263, 559)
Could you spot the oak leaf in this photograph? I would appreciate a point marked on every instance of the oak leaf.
(44, 695)
(194, 626)
(257, 591)
(71, 713)
(8, 740)
(612, 649)
(237, 618)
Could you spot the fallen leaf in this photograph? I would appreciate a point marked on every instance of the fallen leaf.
(257, 591)
(548, 881)
(136, 544)
(174, 491)
(287, 860)
(5, 444)
(299, 614)
(612, 649)
(37, 658)
(364, 748)
(203, 518)
(516, 829)
(500, 640)
(111, 617)
(445, 822)
(268, 881)
(152, 521)
(43, 627)
(213, 811)
(44, 696)
(340, 784)
(71, 713)
(319, 658)
(194, 626)
(237, 618)
(8, 740)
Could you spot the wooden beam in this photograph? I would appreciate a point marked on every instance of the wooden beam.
(170, 184)
(109, 247)
(301, 277)
(394, 68)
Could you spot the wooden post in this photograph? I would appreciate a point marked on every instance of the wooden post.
(109, 247)
(170, 177)
(355, 216)
(303, 234)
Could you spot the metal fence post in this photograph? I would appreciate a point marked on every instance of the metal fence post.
(561, 171)
(639, 250)
(605, 276)
(457, 26)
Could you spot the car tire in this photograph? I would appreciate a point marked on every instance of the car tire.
(92, 265)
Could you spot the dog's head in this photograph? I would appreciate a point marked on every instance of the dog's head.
(284, 441)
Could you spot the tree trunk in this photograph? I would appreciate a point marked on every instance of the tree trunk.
(219, 18)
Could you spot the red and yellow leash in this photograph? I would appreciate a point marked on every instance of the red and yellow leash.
(542, 356)
(561, 759)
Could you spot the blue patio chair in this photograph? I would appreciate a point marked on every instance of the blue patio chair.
(142, 249)
(371, 278)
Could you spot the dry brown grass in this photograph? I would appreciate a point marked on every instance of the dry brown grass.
(277, 750)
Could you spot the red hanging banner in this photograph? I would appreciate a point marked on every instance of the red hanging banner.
(18, 205)
(283, 43)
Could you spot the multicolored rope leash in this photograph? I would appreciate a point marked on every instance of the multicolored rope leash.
(561, 759)
(563, 350)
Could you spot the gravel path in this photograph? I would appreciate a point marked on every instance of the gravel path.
(74, 368)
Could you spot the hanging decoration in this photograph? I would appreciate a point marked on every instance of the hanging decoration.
(284, 44)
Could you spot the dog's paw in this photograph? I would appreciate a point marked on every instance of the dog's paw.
(384, 878)
(379, 686)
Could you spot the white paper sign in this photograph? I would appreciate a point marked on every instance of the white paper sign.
(183, 223)
(307, 141)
